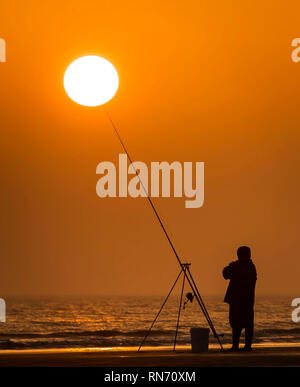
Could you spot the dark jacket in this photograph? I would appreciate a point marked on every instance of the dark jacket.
(241, 288)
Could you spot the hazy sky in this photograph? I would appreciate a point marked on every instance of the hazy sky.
(208, 81)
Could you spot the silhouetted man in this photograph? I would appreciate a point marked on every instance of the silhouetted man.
(240, 297)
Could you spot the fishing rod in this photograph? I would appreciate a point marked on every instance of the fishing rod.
(186, 272)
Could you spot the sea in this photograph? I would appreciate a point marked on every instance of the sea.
(123, 321)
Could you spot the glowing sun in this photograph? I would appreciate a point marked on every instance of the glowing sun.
(91, 81)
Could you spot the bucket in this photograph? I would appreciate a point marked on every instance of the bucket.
(199, 339)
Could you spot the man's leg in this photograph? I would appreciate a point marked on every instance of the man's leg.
(249, 330)
(235, 325)
(236, 334)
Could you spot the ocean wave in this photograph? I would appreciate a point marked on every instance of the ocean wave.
(100, 333)
(277, 331)
(113, 338)
(134, 333)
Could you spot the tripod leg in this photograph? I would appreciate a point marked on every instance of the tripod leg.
(200, 302)
(202, 306)
(161, 308)
(179, 310)
(200, 299)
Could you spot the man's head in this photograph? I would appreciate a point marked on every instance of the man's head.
(244, 252)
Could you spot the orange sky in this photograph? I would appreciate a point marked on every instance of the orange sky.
(204, 81)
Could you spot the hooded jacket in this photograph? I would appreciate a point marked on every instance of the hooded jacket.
(241, 288)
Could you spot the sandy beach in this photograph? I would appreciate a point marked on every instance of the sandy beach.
(282, 355)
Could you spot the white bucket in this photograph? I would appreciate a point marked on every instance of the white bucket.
(199, 339)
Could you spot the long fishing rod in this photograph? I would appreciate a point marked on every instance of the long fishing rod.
(146, 192)
(187, 273)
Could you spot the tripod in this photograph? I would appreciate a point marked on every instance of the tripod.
(184, 266)
(185, 270)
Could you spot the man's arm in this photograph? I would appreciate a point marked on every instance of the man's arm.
(228, 271)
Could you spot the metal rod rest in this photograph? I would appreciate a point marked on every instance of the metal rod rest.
(187, 272)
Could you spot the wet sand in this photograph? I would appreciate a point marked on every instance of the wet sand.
(262, 356)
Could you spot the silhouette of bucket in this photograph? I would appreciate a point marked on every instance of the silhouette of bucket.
(199, 339)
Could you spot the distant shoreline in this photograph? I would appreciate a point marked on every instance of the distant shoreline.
(264, 355)
(161, 348)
